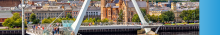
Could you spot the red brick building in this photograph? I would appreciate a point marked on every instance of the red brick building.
(9, 3)
(73, 13)
(4, 16)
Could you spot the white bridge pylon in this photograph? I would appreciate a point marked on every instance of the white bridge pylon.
(76, 25)
(140, 15)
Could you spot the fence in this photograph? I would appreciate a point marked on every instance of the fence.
(65, 28)
(115, 23)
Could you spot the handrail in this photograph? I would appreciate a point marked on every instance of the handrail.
(157, 29)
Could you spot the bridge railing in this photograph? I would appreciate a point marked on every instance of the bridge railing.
(39, 30)
(114, 23)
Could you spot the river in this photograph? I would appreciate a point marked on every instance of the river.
(135, 33)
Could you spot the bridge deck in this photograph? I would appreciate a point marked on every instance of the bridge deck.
(117, 27)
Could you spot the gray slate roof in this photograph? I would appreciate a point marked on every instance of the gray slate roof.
(5, 15)
(116, 1)
(110, 4)
(78, 3)
(38, 0)
(140, 4)
(92, 8)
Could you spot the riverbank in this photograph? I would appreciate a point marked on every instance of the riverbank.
(171, 28)
(11, 32)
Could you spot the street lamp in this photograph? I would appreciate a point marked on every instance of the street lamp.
(158, 18)
(22, 6)
(194, 18)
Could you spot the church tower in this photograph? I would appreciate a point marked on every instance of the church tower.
(103, 8)
(148, 6)
(173, 6)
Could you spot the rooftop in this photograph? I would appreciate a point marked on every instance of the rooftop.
(38, 0)
(5, 14)
(140, 4)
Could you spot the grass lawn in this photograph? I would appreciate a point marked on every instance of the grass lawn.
(13, 29)
(181, 23)
(193, 23)
(169, 24)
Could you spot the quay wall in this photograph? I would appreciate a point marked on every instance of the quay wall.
(170, 28)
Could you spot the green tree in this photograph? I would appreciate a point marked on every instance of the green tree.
(69, 15)
(135, 18)
(58, 20)
(89, 20)
(15, 20)
(8, 22)
(143, 11)
(163, 18)
(170, 14)
(99, 20)
(96, 19)
(105, 20)
(73, 19)
(120, 17)
(33, 19)
(86, 20)
(190, 15)
(18, 22)
(196, 14)
(36, 21)
(48, 20)
(154, 18)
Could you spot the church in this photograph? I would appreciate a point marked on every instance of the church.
(110, 9)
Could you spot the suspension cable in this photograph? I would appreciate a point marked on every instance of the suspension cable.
(56, 17)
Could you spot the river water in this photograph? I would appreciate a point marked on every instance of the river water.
(135, 33)
(180, 33)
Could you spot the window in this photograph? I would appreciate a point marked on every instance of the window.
(86, 13)
(106, 13)
(45, 13)
(131, 13)
(39, 17)
(91, 13)
(109, 13)
(27, 14)
(70, 12)
(74, 12)
(96, 13)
